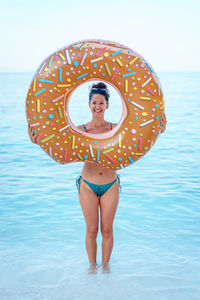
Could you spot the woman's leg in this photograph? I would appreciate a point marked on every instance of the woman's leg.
(108, 205)
(90, 205)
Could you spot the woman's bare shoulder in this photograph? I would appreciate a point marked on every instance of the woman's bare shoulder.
(80, 127)
(114, 125)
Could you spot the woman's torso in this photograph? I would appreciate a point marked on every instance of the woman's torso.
(94, 172)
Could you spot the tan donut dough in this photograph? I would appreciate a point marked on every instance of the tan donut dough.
(88, 60)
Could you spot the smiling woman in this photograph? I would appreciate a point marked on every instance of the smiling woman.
(78, 107)
(98, 104)
(103, 146)
(97, 185)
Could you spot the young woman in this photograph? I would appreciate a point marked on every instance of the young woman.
(98, 186)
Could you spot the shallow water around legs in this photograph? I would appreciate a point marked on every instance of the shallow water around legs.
(156, 252)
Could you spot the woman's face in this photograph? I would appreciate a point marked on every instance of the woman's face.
(98, 104)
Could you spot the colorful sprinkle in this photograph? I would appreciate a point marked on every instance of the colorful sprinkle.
(130, 159)
(73, 142)
(117, 52)
(65, 155)
(39, 137)
(120, 141)
(146, 82)
(152, 92)
(60, 112)
(133, 60)
(36, 124)
(145, 98)
(76, 63)
(91, 151)
(140, 144)
(119, 62)
(109, 150)
(80, 156)
(83, 59)
(60, 74)
(112, 160)
(50, 61)
(115, 74)
(63, 128)
(83, 45)
(68, 57)
(48, 138)
(100, 51)
(63, 58)
(34, 83)
(46, 81)
(146, 123)
(129, 74)
(50, 151)
(57, 99)
(139, 106)
(38, 105)
(126, 85)
(82, 76)
(98, 155)
(149, 67)
(40, 92)
(97, 59)
(107, 69)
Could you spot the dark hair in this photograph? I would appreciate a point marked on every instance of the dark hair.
(99, 88)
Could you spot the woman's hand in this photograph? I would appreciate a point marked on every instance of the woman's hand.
(32, 135)
(163, 123)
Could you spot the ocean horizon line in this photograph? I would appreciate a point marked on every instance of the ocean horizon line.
(29, 72)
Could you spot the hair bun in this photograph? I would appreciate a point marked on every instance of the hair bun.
(100, 85)
(99, 88)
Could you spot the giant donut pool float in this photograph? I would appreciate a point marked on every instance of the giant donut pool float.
(88, 60)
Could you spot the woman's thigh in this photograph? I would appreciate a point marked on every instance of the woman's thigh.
(108, 206)
(90, 205)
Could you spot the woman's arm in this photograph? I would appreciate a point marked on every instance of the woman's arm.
(163, 122)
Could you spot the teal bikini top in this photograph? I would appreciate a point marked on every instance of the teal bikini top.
(86, 128)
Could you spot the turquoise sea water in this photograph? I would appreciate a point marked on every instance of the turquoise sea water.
(156, 252)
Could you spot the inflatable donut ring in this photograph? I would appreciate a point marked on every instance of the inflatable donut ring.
(87, 60)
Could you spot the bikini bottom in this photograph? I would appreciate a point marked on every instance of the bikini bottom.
(99, 189)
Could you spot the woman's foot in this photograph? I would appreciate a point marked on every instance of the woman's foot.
(105, 268)
(93, 268)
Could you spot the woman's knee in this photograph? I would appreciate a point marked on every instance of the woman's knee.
(107, 231)
(92, 231)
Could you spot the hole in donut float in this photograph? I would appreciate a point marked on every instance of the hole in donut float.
(78, 111)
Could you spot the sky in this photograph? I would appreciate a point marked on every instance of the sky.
(164, 32)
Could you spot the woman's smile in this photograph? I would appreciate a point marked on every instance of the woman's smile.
(98, 104)
(97, 110)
